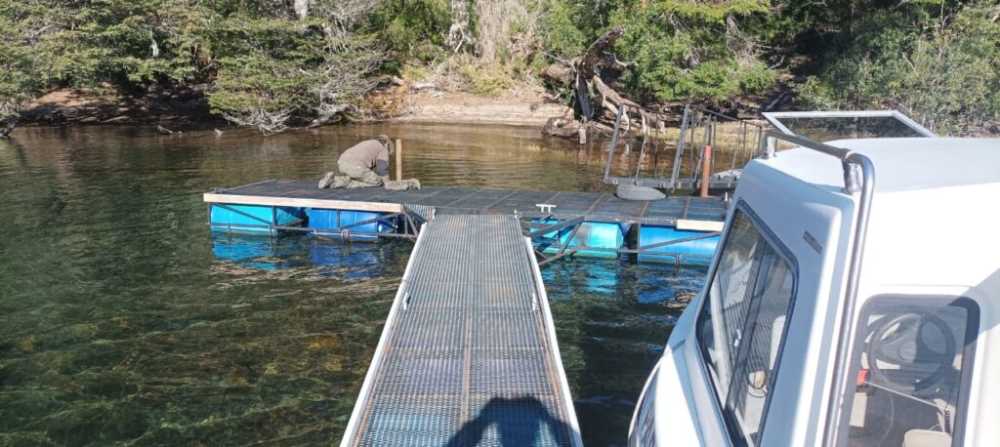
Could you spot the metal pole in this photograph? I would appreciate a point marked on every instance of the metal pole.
(842, 361)
(706, 170)
(680, 148)
(614, 142)
(642, 151)
(399, 159)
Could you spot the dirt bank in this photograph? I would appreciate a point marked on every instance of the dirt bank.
(188, 109)
(516, 108)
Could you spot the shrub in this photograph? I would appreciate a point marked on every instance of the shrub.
(486, 79)
(561, 34)
(947, 77)
(691, 50)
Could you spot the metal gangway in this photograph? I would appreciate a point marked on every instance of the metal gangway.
(468, 355)
(727, 142)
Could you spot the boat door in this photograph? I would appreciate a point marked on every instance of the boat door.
(743, 366)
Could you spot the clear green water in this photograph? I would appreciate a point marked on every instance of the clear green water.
(119, 325)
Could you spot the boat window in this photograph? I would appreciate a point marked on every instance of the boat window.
(742, 324)
(912, 364)
(826, 126)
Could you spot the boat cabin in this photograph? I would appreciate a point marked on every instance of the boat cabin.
(851, 302)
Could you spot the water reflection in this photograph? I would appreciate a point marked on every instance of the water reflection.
(326, 258)
(254, 252)
(125, 321)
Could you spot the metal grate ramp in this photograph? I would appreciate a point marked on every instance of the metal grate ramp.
(468, 355)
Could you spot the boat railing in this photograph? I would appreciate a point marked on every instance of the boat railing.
(859, 179)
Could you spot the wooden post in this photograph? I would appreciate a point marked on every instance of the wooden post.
(706, 170)
(399, 159)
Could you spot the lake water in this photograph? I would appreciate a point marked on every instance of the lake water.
(123, 321)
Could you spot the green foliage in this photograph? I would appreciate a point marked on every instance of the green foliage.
(256, 54)
(486, 79)
(687, 50)
(264, 65)
(18, 79)
(253, 82)
(946, 75)
(936, 59)
(414, 28)
(560, 32)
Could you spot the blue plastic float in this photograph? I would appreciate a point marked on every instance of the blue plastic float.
(253, 219)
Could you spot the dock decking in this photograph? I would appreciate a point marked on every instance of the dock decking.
(591, 206)
(679, 229)
(468, 354)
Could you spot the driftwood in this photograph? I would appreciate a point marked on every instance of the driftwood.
(597, 101)
(597, 52)
(562, 127)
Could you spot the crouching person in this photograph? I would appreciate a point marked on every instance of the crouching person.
(366, 164)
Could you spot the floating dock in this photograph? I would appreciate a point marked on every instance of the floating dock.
(680, 230)
(468, 355)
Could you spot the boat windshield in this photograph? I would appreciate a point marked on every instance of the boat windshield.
(912, 364)
(827, 126)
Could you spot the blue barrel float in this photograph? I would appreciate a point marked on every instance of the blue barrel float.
(606, 239)
(696, 252)
(254, 219)
(355, 225)
(597, 239)
(268, 220)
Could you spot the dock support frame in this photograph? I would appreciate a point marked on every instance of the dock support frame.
(404, 225)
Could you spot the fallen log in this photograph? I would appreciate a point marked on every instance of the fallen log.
(562, 127)
(597, 101)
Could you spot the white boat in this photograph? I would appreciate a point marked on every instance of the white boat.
(852, 301)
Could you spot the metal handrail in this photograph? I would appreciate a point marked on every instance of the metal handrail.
(694, 117)
(859, 177)
(614, 142)
(851, 183)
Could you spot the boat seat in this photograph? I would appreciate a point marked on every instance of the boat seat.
(926, 438)
(933, 438)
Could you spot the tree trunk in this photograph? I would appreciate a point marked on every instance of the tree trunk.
(301, 9)
(492, 27)
(458, 34)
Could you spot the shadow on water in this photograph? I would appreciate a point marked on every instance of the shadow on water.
(521, 421)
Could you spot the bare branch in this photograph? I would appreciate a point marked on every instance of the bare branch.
(268, 123)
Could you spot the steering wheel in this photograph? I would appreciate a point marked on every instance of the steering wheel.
(900, 341)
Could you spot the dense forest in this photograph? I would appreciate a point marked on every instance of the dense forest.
(276, 63)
